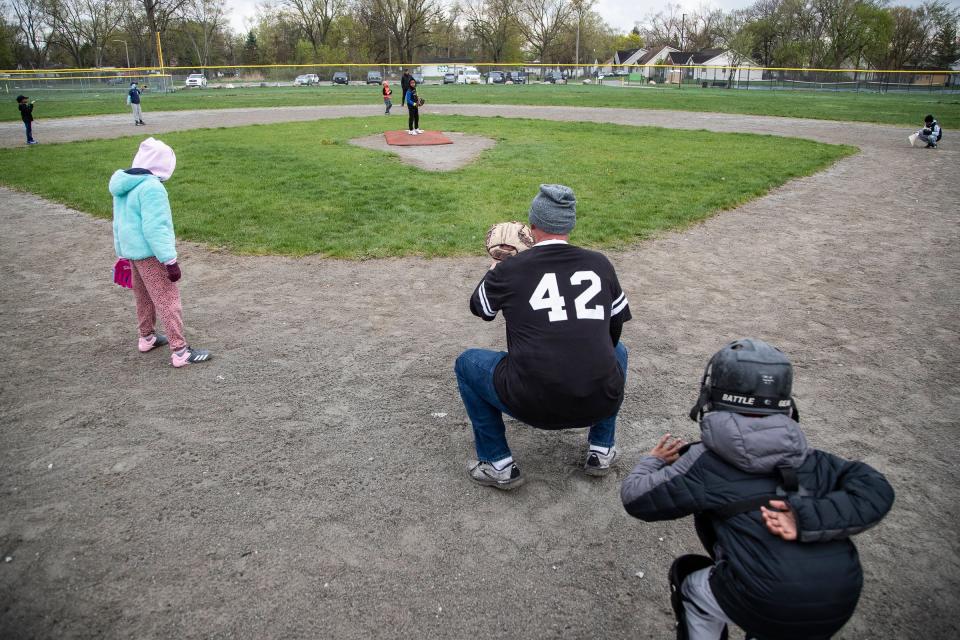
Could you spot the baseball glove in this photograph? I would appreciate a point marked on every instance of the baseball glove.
(420, 102)
(506, 239)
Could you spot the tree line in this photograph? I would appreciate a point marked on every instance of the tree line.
(774, 33)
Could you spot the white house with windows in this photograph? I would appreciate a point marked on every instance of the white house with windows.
(713, 65)
(622, 60)
(645, 63)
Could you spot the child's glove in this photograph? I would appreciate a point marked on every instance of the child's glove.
(927, 132)
(173, 272)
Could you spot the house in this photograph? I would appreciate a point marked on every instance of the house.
(712, 65)
(621, 58)
(954, 79)
(646, 64)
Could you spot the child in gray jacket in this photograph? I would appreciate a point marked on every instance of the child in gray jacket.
(775, 515)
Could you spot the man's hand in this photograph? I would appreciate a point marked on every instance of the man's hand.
(780, 520)
(668, 448)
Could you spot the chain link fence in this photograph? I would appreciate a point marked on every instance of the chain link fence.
(68, 84)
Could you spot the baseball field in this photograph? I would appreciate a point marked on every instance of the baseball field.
(309, 481)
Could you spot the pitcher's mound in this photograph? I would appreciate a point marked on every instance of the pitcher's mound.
(459, 150)
(404, 139)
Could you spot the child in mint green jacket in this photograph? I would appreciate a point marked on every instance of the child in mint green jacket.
(143, 233)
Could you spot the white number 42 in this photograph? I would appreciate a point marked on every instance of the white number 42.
(547, 296)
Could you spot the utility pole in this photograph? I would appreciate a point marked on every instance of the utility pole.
(576, 61)
(683, 27)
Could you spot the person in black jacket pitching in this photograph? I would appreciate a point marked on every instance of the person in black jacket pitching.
(775, 515)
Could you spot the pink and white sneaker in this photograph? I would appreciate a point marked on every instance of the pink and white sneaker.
(151, 342)
(189, 355)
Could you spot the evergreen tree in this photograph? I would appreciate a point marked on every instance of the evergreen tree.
(251, 52)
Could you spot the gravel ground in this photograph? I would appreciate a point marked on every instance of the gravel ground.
(442, 157)
(309, 481)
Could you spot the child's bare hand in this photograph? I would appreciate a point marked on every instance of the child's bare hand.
(668, 448)
(780, 520)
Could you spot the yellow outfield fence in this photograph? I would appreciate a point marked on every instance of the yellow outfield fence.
(172, 78)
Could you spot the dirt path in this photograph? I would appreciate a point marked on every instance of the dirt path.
(309, 481)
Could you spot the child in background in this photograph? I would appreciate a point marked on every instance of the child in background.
(143, 233)
(387, 93)
(26, 114)
(776, 515)
(133, 99)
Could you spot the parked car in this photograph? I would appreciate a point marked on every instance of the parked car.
(449, 78)
(418, 77)
(468, 75)
(374, 77)
(197, 80)
(496, 77)
(306, 80)
(517, 77)
(340, 77)
(554, 77)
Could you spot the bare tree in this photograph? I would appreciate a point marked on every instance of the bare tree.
(315, 17)
(201, 20)
(663, 28)
(580, 9)
(78, 24)
(33, 26)
(541, 22)
(701, 29)
(492, 22)
(160, 13)
(406, 21)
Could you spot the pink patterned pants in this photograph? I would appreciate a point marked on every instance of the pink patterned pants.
(156, 295)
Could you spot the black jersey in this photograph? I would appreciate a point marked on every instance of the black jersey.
(564, 309)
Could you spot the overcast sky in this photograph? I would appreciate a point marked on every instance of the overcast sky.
(621, 14)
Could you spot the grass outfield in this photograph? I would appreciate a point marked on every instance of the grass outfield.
(299, 188)
(900, 109)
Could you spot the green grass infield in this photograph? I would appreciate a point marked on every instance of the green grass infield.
(300, 188)
(892, 108)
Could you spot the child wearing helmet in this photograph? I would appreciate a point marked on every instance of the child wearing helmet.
(775, 515)
(931, 132)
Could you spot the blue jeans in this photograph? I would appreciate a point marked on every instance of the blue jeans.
(29, 126)
(474, 371)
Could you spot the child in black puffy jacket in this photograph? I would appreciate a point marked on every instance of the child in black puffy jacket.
(775, 515)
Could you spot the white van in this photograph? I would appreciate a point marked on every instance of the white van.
(468, 75)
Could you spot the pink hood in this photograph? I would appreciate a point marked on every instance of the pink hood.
(156, 157)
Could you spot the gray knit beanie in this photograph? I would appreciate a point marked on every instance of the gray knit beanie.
(554, 210)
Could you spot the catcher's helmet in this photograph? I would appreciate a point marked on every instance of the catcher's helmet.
(747, 376)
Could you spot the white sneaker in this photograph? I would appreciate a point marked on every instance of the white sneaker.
(486, 474)
(599, 464)
(419, 130)
(414, 133)
(411, 133)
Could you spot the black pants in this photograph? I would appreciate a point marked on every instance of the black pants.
(413, 121)
(29, 126)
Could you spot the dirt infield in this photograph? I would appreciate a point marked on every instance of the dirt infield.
(309, 482)
(447, 157)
